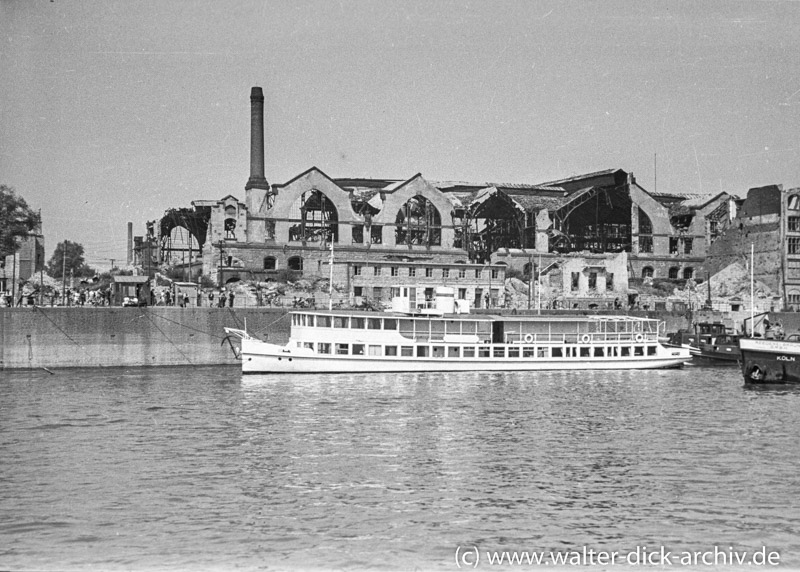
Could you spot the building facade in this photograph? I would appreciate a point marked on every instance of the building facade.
(290, 227)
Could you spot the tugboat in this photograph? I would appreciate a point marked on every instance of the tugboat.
(724, 349)
(711, 341)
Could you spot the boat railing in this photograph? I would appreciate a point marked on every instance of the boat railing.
(585, 337)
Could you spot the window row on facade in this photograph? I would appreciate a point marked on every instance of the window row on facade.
(674, 273)
(677, 244)
(428, 272)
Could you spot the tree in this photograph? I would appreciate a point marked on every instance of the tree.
(17, 220)
(73, 262)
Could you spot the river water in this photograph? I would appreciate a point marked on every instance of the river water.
(201, 469)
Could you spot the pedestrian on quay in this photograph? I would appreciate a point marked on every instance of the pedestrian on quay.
(222, 298)
(230, 299)
(210, 298)
(185, 300)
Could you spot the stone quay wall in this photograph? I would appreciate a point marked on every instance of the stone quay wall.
(112, 337)
(157, 336)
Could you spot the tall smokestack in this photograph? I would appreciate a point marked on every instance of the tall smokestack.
(257, 180)
(130, 243)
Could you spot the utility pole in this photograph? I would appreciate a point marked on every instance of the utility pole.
(64, 274)
(14, 280)
(41, 272)
(220, 263)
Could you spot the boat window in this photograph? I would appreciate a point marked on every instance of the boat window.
(485, 330)
(374, 323)
(598, 352)
(484, 351)
(422, 351)
(557, 352)
(452, 352)
(422, 329)
(638, 350)
(469, 351)
(390, 350)
(513, 352)
(437, 329)
(389, 324)
(311, 320)
(468, 327)
(407, 328)
(453, 327)
(309, 345)
(528, 351)
(323, 348)
(438, 351)
(586, 352)
(499, 352)
(358, 349)
(541, 352)
(651, 350)
(341, 322)
(625, 351)
(407, 351)
(323, 321)
(374, 350)
(357, 323)
(294, 320)
(299, 344)
(342, 349)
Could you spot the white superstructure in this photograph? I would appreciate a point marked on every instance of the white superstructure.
(339, 341)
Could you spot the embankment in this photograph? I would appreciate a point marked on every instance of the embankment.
(111, 337)
(158, 336)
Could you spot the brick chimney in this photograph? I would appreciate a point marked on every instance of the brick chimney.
(130, 243)
(257, 180)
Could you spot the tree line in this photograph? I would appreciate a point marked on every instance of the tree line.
(18, 220)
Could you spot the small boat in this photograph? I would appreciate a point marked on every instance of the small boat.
(326, 341)
(701, 333)
(769, 360)
(722, 349)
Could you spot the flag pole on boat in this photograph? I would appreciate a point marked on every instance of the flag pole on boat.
(539, 285)
(330, 285)
(752, 293)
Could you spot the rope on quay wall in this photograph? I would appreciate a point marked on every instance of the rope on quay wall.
(184, 326)
(272, 323)
(66, 335)
(147, 315)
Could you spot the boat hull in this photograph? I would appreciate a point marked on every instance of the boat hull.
(770, 361)
(261, 357)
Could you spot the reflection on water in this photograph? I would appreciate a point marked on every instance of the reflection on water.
(199, 468)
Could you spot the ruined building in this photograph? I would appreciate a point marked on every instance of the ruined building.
(768, 223)
(401, 232)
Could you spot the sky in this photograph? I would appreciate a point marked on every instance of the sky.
(114, 111)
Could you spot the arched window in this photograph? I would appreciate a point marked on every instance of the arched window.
(316, 218)
(295, 263)
(647, 272)
(230, 221)
(645, 226)
(794, 202)
(270, 263)
(673, 273)
(688, 273)
(418, 222)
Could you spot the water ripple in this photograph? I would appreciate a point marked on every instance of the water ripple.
(174, 469)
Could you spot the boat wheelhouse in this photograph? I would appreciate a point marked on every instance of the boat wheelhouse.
(338, 341)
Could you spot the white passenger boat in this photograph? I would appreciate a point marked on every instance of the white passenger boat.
(324, 341)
